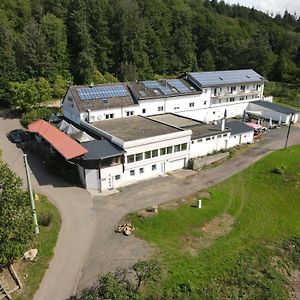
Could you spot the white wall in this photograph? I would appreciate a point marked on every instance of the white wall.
(207, 145)
(70, 108)
(109, 179)
(243, 138)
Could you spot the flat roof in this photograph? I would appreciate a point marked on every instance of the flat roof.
(175, 120)
(134, 128)
(101, 149)
(224, 77)
(198, 128)
(275, 107)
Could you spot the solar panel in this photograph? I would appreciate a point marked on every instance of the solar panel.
(179, 86)
(102, 92)
(157, 85)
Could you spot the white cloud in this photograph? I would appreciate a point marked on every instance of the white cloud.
(275, 6)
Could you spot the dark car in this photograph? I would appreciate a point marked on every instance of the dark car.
(16, 136)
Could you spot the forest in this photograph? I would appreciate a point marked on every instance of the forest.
(48, 44)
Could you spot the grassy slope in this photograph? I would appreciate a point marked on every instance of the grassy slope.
(266, 209)
(45, 243)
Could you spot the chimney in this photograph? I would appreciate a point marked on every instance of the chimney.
(223, 124)
(88, 115)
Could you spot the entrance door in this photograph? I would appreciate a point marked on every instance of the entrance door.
(110, 182)
(163, 167)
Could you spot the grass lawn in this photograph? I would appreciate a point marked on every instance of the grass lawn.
(31, 273)
(236, 245)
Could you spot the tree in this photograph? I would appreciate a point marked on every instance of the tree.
(16, 226)
(29, 94)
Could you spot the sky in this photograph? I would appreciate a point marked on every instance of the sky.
(274, 6)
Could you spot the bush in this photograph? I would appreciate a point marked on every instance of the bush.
(45, 218)
(40, 113)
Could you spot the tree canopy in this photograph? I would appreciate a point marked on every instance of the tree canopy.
(81, 40)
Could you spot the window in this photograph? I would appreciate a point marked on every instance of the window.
(153, 167)
(192, 104)
(214, 112)
(139, 156)
(147, 154)
(154, 153)
(231, 99)
(160, 108)
(232, 89)
(242, 98)
(176, 148)
(141, 170)
(243, 87)
(193, 142)
(183, 147)
(169, 150)
(204, 102)
(199, 141)
(176, 107)
(117, 177)
(207, 139)
(225, 134)
(162, 151)
(212, 137)
(129, 113)
(109, 116)
(132, 172)
(130, 159)
(144, 110)
(215, 92)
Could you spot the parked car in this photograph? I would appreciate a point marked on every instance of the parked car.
(17, 136)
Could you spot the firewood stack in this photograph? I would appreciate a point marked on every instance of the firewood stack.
(126, 228)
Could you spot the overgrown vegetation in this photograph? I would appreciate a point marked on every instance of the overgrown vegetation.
(36, 114)
(32, 273)
(254, 259)
(283, 93)
(45, 45)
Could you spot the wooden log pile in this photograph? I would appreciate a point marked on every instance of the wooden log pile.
(125, 229)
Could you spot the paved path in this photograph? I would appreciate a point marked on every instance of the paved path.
(87, 245)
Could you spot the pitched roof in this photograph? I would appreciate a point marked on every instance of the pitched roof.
(63, 144)
(101, 149)
(224, 77)
(237, 127)
(275, 107)
(101, 97)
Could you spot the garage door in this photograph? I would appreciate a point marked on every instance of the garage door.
(175, 164)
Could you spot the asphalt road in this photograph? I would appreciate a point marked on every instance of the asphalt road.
(87, 245)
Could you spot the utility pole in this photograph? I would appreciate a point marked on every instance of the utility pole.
(31, 195)
(288, 133)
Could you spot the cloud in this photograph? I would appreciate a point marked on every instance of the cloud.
(274, 6)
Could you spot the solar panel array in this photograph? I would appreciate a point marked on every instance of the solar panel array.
(157, 85)
(179, 86)
(102, 92)
(225, 77)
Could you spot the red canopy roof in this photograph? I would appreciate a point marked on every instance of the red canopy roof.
(62, 143)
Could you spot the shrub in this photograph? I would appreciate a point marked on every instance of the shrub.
(45, 219)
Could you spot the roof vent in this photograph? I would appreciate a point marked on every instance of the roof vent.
(248, 76)
(220, 78)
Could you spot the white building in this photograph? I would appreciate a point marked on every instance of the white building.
(202, 96)
(135, 148)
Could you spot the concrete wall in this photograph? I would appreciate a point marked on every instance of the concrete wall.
(200, 162)
(243, 138)
(207, 145)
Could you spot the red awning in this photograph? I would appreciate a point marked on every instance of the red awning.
(254, 126)
(62, 143)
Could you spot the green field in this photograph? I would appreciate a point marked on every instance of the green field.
(239, 245)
